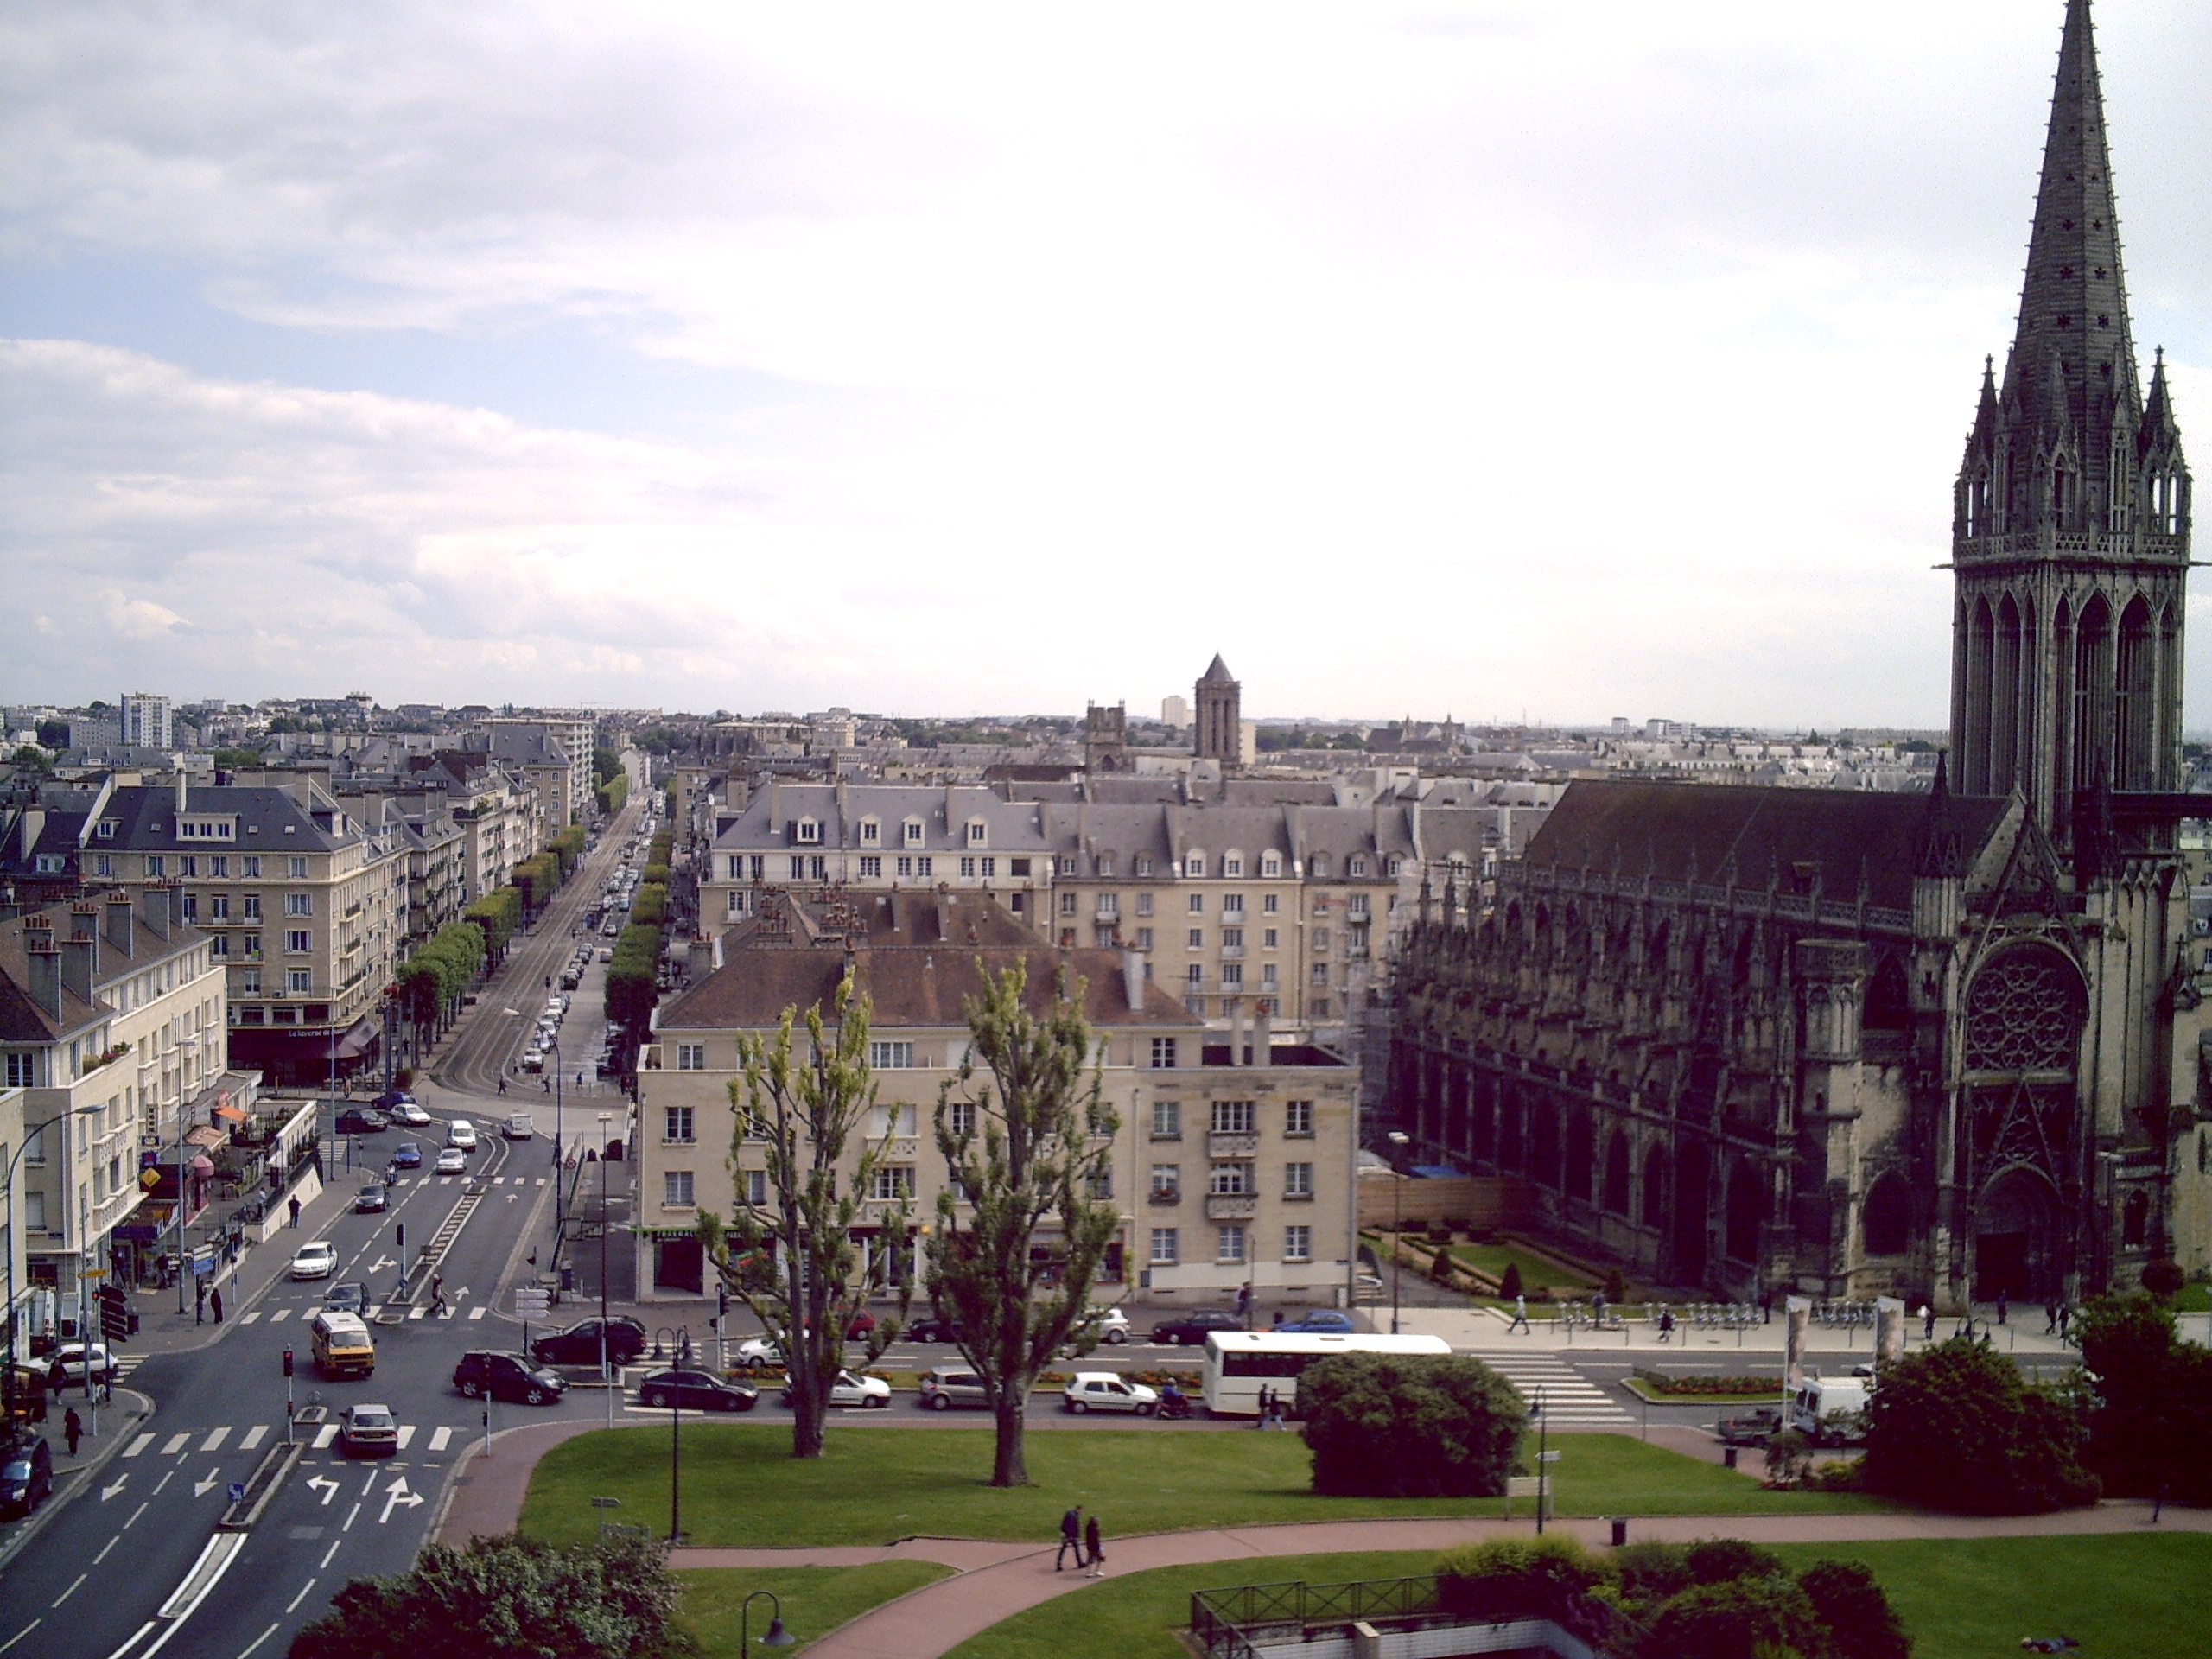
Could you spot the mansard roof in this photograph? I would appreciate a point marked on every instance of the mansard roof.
(1713, 832)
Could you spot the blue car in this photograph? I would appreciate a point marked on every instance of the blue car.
(1321, 1320)
(407, 1155)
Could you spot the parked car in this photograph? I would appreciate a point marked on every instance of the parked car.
(407, 1155)
(1105, 1391)
(695, 1391)
(451, 1161)
(863, 1323)
(579, 1344)
(370, 1199)
(347, 1299)
(519, 1126)
(1753, 1427)
(1322, 1320)
(1190, 1329)
(315, 1261)
(67, 1365)
(391, 1098)
(368, 1430)
(932, 1328)
(507, 1377)
(946, 1386)
(26, 1472)
(462, 1133)
(412, 1116)
(852, 1390)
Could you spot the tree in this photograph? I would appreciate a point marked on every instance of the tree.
(508, 1596)
(1409, 1426)
(1737, 1618)
(1861, 1623)
(2151, 1399)
(31, 758)
(55, 734)
(796, 1264)
(1029, 1145)
(1953, 1426)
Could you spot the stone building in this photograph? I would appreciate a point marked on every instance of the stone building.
(1218, 730)
(1943, 1045)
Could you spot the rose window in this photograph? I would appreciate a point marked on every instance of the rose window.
(2024, 1013)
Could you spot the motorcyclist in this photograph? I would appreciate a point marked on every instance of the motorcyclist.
(1172, 1402)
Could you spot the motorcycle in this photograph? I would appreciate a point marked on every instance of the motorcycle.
(1175, 1407)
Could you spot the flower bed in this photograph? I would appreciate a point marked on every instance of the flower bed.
(1659, 1385)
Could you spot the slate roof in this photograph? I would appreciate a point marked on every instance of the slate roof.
(25, 1021)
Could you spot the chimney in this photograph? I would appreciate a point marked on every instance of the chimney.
(181, 791)
(46, 971)
(118, 922)
(80, 962)
(155, 902)
(1264, 1036)
(33, 819)
(1133, 979)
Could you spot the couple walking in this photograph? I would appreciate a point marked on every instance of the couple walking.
(1082, 1537)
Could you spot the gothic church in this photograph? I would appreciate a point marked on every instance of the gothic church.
(1747, 1040)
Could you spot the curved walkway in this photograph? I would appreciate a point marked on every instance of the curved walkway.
(994, 1579)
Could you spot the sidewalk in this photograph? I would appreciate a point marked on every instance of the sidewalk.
(1488, 1330)
(120, 1420)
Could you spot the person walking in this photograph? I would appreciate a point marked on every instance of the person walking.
(1070, 1538)
(1926, 1322)
(2004, 1305)
(2065, 1312)
(1092, 1549)
(1261, 1421)
(215, 1304)
(502, 1086)
(1520, 1317)
(293, 1205)
(73, 1429)
(199, 1302)
(437, 1293)
(2051, 1318)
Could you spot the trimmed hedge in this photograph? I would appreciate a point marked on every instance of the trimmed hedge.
(630, 989)
(650, 907)
(614, 793)
(568, 848)
(497, 914)
(434, 978)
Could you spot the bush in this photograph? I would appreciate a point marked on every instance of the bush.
(2151, 1417)
(2163, 1278)
(650, 907)
(404, 1078)
(1651, 1573)
(1389, 1426)
(1508, 1283)
(1861, 1622)
(1439, 1266)
(1742, 1618)
(1505, 1578)
(1717, 1561)
(1953, 1427)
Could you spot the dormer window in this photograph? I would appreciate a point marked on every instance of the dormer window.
(871, 833)
(911, 831)
(1271, 865)
(206, 829)
(106, 830)
(1394, 866)
(1105, 863)
(1142, 864)
(978, 832)
(807, 831)
(1356, 866)
(1320, 866)
(1194, 864)
(1232, 864)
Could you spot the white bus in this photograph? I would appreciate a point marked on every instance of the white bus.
(1238, 1362)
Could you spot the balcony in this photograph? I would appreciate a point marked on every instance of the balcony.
(1232, 1143)
(1232, 953)
(1165, 1195)
(1231, 1206)
(1107, 913)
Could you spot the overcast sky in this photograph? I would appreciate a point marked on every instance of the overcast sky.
(1571, 360)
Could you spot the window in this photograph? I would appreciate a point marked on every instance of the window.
(1232, 974)
(1141, 864)
(890, 1057)
(808, 833)
(990, 866)
(676, 1189)
(1392, 867)
(188, 866)
(249, 944)
(1232, 1118)
(1105, 863)
(1163, 1056)
(1167, 1183)
(1319, 865)
(298, 942)
(1144, 938)
(923, 864)
(1271, 865)
(1099, 1185)
(1194, 864)
(1298, 1243)
(1320, 938)
(21, 1070)
(1067, 867)
(1356, 866)
(35, 1212)
(1232, 938)
(1270, 938)
(1232, 903)
(249, 867)
(1318, 1007)
(910, 832)
(871, 833)
(1067, 904)
(1109, 904)
(155, 864)
(676, 1123)
(103, 864)
(298, 867)
(1166, 1115)
(1267, 975)
(191, 907)
(1355, 940)
(1018, 868)
(298, 981)
(220, 945)
(250, 906)
(1164, 1252)
(754, 1185)
(1195, 904)
(1298, 1181)
(1144, 904)
(250, 980)
(1357, 904)
(1229, 1180)
(960, 1118)
(978, 833)
(1229, 1244)
(1195, 1005)
(890, 1182)
(299, 904)
(1232, 866)
(799, 867)
(967, 866)
(871, 867)
(106, 830)
(1195, 974)
(691, 1057)
(1298, 1117)
(218, 906)
(1195, 938)
(906, 865)
(736, 868)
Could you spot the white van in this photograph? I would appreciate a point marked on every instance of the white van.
(1831, 1410)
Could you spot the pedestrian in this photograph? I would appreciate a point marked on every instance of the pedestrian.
(199, 1302)
(1261, 1420)
(1520, 1317)
(438, 1292)
(72, 1428)
(2050, 1319)
(1097, 1553)
(545, 1083)
(215, 1304)
(2004, 1305)
(502, 1086)
(1597, 1310)
(2065, 1312)
(1070, 1538)
(1926, 1322)
(1666, 1324)
(293, 1205)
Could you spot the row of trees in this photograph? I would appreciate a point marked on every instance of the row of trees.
(434, 979)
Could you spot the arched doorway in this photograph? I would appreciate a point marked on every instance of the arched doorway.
(2016, 1237)
(1746, 1210)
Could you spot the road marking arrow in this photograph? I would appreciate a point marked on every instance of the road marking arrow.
(397, 1494)
(201, 1488)
(327, 1488)
(106, 1493)
(381, 1263)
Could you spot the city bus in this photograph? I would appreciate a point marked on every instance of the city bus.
(1238, 1362)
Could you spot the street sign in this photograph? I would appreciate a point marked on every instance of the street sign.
(237, 1491)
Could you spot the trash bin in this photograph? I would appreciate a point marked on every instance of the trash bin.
(1728, 1457)
(1620, 1530)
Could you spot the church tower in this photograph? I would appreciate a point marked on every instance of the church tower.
(2070, 525)
(1219, 730)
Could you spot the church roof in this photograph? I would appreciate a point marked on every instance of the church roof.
(1219, 674)
(1711, 832)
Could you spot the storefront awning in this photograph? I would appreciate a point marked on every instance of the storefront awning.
(206, 1135)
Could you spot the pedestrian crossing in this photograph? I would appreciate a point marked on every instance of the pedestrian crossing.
(1571, 1400)
(200, 1442)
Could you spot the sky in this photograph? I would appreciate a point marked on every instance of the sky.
(1508, 359)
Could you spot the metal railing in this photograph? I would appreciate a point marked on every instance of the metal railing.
(1224, 1621)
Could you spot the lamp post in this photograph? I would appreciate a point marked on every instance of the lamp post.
(605, 1376)
(560, 1200)
(1543, 1458)
(778, 1636)
(1397, 1138)
(7, 1390)
(680, 1338)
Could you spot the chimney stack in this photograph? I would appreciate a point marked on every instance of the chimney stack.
(1132, 978)
(46, 971)
(118, 922)
(80, 962)
(155, 902)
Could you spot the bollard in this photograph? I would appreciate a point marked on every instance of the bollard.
(1620, 1530)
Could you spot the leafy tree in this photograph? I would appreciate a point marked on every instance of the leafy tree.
(1738, 1619)
(650, 907)
(795, 1264)
(31, 758)
(2151, 1399)
(237, 759)
(55, 734)
(1409, 1426)
(1953, 1426)
(508, 1596)
(1508, 1283)
(1860, 1622)
(1032, 1142)
(2164, 1278)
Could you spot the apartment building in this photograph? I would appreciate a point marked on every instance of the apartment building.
(145, 720)
(554, 753)
(1232, 1165)
(113, 1014)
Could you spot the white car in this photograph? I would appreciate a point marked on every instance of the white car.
(315, 1261)
(409, 1113)
(1104, 1391)
(853, 1390)
(1113, 1326)
(757, 1354)
(451, 1161)
(462, 1134)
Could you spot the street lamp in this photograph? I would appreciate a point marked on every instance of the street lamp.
(560, 1202)
(606, 1378)
(7, 1390)
(1398, 1139)
(778, 1636)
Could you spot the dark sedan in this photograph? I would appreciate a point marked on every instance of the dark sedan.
(579, 1344)
(695, 1391)
(372, 1198)
(932, 1328)
(407, 1155)
(364, 1119)
(1189, 1330)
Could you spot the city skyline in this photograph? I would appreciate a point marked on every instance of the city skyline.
(1619, 373)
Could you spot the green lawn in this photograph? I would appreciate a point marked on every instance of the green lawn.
(1491, 1259)
(875, 1486)
(815, 1600)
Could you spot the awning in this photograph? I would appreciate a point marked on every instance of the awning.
(206, 1135)
(201, 1167)
(356, 1041)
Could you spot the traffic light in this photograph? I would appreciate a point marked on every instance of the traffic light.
(288, 1362)
(399, 1242)
(117, 1320)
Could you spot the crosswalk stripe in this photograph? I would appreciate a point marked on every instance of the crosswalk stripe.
(438, 1439)
(248, 1319)
(325, 1435)
(478, 1312)
(406, 1433)
(176, 1443)
(253, 1437)
(280, 1315)
(541, 1180)
(138, 1445)
(215, 1438)
(416, 1312)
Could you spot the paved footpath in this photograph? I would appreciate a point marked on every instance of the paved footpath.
(993, 1579)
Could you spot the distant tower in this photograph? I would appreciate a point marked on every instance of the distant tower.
(1219, 735)
(1106, 738)
(2070, 527)
(145, 720)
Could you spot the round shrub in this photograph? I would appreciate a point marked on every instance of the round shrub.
(1861, 1622)
(1717, 1561)
(1397, 1425)
(1505, 1578)
(1742, 1618)
(2164, 1278)
(1953, 1426)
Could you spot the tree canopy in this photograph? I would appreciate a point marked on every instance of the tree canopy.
(1409, 1426)
(1955, 1428)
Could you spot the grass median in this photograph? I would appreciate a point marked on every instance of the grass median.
(740, 1486)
